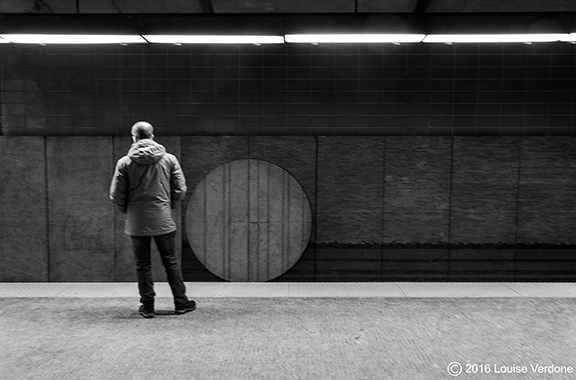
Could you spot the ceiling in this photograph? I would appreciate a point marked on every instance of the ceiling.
(282, 6)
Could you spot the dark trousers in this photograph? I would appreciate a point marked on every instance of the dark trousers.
(166, 246)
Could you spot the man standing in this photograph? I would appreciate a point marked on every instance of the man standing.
(146, 185)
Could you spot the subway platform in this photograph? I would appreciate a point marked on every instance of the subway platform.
(276, 331)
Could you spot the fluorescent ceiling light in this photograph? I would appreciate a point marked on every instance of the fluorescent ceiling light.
(491, 38)
(3, 41)
(45, 39)
(353, 38)
(208, 39)
(570, 38)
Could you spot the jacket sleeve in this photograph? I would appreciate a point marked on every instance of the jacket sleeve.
(119, 188)
(177, 182)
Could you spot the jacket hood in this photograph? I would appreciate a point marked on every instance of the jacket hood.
(146, 152)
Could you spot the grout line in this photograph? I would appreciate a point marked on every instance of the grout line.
(315, 210)
(401, 289)
(383, 205)
(514, 290)
(63, 290)
(450, 204)
(47, 209)
(115, 214)
(518, 204)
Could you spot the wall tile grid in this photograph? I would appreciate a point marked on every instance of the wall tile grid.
(81, 235)
(418, 174)
(484, 190)
(23, 210)
(440, 205)
(384, 208)
(350, 208)
(290, 90)
(547, 191)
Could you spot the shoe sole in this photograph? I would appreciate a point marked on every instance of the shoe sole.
(147, 315)
(184, 311)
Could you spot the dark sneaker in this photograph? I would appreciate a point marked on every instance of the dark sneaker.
(147, 310)
(183, 308)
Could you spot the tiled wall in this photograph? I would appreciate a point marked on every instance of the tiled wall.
(421, 162)
(426, 90)
(384, 208)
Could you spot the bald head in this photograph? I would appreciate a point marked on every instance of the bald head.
(142, 130)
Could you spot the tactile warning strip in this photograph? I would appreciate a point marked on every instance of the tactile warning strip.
(544, 289)
(316, 289)
(340, 289)
(457, 290)
(35, 289)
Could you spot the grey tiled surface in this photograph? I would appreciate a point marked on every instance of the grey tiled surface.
(284, 289)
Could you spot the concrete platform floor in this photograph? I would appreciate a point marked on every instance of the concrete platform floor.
(300, 290)
(308, 331)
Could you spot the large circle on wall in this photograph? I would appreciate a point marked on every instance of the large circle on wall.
(248, 220)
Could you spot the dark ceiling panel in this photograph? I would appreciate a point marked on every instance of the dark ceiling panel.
(141, 6)
(387, 6)
(278, 24)
(283, 6)
(502, 6)
(35, 6)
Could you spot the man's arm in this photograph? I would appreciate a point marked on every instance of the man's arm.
(118, 188)
(177, 182)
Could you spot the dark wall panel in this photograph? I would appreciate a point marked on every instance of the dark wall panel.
(338, 264)
(547, 197)
(201, 155)
(23, 216)
(81, 227)
(552, 263)
(417, 189)
(415, 264)
(295, 154)
(350, 190)
(124, 257)
(488, 263)
(380, 206)
(484, 190)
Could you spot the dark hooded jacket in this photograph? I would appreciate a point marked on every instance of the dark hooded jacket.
(146, 184)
